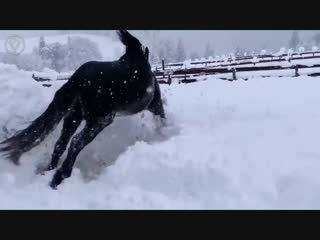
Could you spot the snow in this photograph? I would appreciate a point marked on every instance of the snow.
(250, 63)
(228, 145)
(187, 64)
(263, 52)
(273, 73)
(281, 52)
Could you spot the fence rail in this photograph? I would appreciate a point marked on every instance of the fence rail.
(168, 73)
(260, 58)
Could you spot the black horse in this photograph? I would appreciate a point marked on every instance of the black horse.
(96, 93)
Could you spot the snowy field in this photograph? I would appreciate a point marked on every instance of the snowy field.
(229, 145)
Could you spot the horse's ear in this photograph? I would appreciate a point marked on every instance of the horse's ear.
(146, 53)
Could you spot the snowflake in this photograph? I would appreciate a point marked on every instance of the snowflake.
(149, 90)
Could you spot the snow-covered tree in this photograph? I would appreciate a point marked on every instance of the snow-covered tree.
(57, 56)
(211, 59)
(169, 51)
(316, 38)
(193, 56)
(154, 58)
(161, 54)
(26, 61)
(42, 43)
(294, 41)
(263, 52)
(180, 52)
(290, 52)
(69, 56)
(79, 51)
(239, 52)
(301, 49)
(208, 51)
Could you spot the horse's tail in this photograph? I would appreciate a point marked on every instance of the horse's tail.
(36, 132)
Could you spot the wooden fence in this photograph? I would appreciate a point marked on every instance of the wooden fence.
(179, 72)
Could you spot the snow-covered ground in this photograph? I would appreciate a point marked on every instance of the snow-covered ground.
(272, 73)
(229, 145)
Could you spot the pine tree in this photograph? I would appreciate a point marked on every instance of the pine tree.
(239, 52)
(316, 38)
(154, 58)
(294, 40)
(168, 51)
(180, 53)
(208, 52)
(194, 56)
(42, 44)
(161, 54)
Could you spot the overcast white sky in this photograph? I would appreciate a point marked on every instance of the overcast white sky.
(223, 41)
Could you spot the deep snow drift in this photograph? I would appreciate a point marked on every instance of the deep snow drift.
(229, 145)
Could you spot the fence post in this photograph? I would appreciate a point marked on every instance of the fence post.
(296, 71)
(234, 77)
(162, 64)
(169, 80)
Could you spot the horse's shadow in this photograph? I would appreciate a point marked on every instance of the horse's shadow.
(115, 140)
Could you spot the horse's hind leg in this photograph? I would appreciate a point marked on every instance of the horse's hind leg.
(71, 122)
(79, 141)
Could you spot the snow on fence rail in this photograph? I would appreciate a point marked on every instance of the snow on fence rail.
(246, 59)
(229, 68)
(291, 64)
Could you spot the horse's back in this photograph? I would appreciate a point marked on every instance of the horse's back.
(107, 87)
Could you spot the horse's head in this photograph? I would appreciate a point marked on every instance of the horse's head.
(134, 49)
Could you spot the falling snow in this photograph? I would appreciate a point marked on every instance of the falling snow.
(149, 90)
(228, 145)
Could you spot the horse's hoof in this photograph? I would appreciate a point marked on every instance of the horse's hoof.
(53, 186)
(16, 162)
(57, 179)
